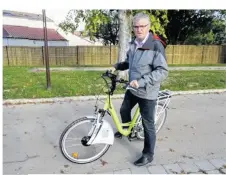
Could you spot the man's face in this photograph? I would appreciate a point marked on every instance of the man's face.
(141, 28)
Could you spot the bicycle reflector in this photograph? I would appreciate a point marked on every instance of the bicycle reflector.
(75, 155)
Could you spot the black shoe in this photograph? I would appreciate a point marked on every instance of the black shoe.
(118, 135)
(130, 137)
(143, 161)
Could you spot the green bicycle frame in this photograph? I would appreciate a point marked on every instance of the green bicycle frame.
(108, 106)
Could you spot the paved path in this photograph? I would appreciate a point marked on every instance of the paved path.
(193, 139)
(105, 68)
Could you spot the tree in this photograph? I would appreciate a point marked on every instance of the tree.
(113, 26)
(184, 23)
(104, 24)
(218, 26)
(109, 31)
(100, 24)
(195, 26)
(124, 36)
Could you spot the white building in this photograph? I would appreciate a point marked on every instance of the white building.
(26, 29)
(77, 40)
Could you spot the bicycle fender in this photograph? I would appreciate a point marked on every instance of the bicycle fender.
(105, 134)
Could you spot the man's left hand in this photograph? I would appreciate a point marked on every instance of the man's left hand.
(134, 84)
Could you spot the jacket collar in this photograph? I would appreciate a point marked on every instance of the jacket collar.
(148, 44)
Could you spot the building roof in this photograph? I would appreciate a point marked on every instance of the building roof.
(23, 32)
(25, 15)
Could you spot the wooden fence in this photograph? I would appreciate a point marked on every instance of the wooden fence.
(106, 55)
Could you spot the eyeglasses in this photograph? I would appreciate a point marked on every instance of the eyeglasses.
(141, 26)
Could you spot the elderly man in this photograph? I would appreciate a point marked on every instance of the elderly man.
(147, 69)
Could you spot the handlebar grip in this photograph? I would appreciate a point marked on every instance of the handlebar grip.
(123, 81)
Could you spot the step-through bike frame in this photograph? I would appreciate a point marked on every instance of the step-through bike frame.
(109, 107)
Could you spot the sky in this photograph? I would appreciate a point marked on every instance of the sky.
(58, 15)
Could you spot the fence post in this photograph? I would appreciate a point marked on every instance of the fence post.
(110, 53)
(43, 56)
(224, 53)
(202, 54)
(173, 54)
(56, 56)
(77, 62)
(7, 53)
(219, 57)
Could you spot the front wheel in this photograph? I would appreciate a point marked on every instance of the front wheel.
(160, 118)
(73, 142)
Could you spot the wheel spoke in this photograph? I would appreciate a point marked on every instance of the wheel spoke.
(72, 139)
(73, 145)
(159, 121)
(87, 153)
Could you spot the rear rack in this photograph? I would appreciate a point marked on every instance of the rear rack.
(163, 100)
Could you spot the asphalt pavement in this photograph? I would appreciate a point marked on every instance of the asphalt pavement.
(193, 139)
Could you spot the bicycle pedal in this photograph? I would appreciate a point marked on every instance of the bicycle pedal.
(118, 137)
(130, 138)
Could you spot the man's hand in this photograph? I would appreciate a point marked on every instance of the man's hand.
(112, 69)
(134, 84)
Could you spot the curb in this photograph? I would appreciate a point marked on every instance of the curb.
(105, 68)
(85, 98)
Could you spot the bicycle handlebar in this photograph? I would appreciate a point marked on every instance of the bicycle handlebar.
(113, 77)
(114, 80)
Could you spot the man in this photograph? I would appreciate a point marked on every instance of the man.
(147, 69)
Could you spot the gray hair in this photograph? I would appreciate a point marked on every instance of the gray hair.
(139, 16)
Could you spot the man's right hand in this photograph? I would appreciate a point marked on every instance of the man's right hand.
(112, 69)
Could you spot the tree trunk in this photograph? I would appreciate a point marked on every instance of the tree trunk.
(124, 38)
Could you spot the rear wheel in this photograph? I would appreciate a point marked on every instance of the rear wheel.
(73, 142)
(160, 119)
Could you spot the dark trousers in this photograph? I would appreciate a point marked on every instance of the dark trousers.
(147, 111)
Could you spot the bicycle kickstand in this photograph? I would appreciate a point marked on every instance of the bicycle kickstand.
(132, 136)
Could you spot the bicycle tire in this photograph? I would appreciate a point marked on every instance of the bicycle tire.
(157, 131)
(76, 122)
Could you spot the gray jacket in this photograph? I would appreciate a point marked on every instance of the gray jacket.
(147, 65)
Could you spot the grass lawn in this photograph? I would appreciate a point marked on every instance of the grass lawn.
(170, 65)
(19, 83)
(196, 65)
